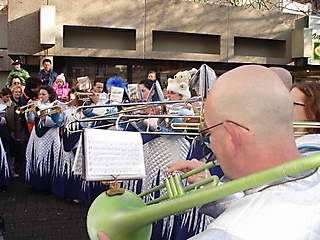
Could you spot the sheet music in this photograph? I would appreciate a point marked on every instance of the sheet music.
(116, 94)
(84, 83)
(134, 92)
(112, 154)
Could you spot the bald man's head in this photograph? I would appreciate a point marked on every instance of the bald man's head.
(253, 96)
(284, 75)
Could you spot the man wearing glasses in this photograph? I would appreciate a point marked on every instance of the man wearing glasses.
(249, 117)
(249, 114)
(15, 82)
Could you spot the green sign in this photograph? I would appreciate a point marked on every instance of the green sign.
(316, 52)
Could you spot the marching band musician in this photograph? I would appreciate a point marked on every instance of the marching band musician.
(148, 93)
(306, 103)
(117, 93)
(306, 107)
(173, 227)
(5, 178)
(178, 89)
(44, 143)
(116, 82)
(95, 188)
(66, 184)
(31, 92)
(98, 87)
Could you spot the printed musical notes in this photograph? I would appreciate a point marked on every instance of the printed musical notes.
(116, 94)
(109, 154)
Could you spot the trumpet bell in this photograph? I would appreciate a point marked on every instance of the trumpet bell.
(111, 210)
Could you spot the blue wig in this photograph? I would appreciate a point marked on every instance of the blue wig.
(115, 82)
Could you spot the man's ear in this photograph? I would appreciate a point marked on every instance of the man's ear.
(234, 137)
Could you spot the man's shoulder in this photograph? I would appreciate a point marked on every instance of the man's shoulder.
(52, 72)
(41, 72)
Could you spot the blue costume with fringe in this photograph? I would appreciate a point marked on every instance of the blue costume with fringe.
(65, 184)
(42, 150)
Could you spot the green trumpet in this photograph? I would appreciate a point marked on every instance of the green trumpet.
(127, 216)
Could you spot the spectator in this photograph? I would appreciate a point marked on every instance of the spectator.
(306, 104)
(47, 75)
(152, 75)
(15, 82)
(17, 126)
(61, 88)
(5, 96)
(19, 72)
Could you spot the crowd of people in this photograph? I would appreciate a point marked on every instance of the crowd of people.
(249, 114)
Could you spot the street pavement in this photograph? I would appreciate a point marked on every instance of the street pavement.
(29, 214)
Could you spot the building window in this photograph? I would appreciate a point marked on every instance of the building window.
(99, 38)
(271, 48)
(185, 42)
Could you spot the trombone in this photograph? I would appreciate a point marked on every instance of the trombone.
(183, 128)
(129, 110)
(127, 216)
(127, 118)
(305, 125)
(131, 106)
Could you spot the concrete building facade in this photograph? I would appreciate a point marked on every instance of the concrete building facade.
(101, 38)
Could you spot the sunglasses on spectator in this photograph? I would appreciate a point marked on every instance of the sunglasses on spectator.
(16, 83)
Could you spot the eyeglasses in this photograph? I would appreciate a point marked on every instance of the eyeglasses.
(205, 132)
(18, 83)
(298, 104)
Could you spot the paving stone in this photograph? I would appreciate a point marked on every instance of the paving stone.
(30, 215)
